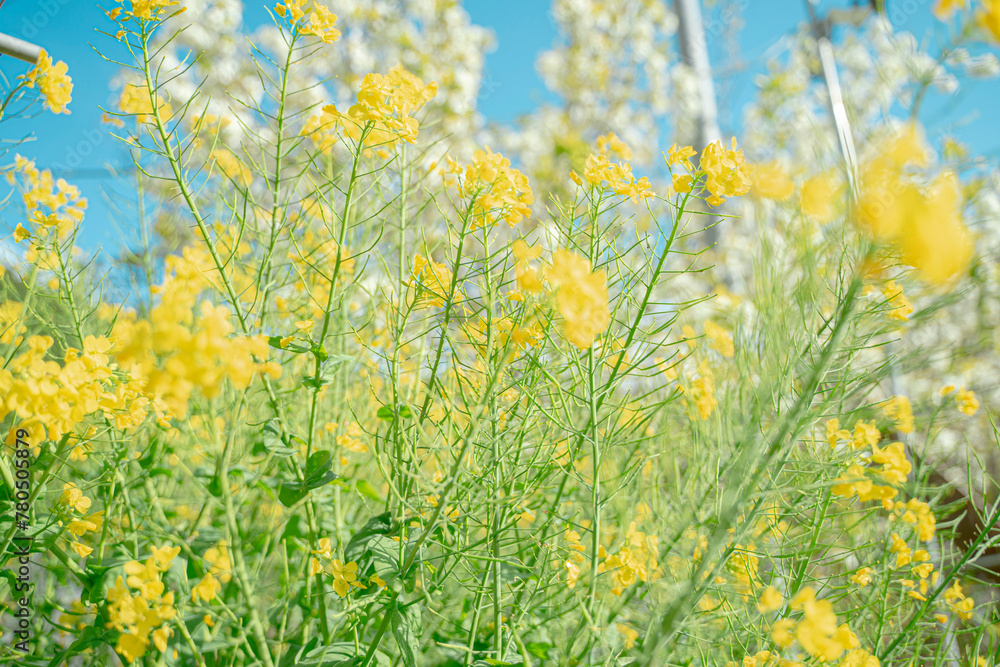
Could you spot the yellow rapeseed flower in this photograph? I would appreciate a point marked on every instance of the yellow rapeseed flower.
(727, 173)
(581, 297)
(344, 576)
(923, 223)
(54, 84)
(819, 196)
(384, 109)
(771, 181)
(496, 188)
(968, 404)
(988, 18)
(148, 9)
(206, 589)
(769, 600)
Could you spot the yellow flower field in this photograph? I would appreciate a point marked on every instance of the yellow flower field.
(373, 392)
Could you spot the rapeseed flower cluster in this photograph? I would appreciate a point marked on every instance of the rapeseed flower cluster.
(53, 82)
(900, 410)
(722, 170)
(434, 282)
(53, 206)
(918, 514)
(612, 144)
(321, 130)
(146, 10)
(861, 480)
(135, 101)
(495, 189)
(743, 565)
(52, 399)
(384, 110)
(219, 561)
(528, 275)
(700, 393)
(818, 197)
(635, 560)
(310, 18)
(74, 500)
(772, 181)
(581, 297)
(965, 399)
(140, 606)
(11, 322)
(618, 177)
(576, 557)
(727, 173)
(958, 602)
(184, 346)
(923, 222)
(344, 575)
(900, 307)
(987, 17)
(232, 167)
(816, 631)
(206, 589)
(424, 410)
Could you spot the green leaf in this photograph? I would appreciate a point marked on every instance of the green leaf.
(290, 493)
(327, 371)
(341, 654)
(334, 654)
(318, 463)
(385, 413)
(273, 441)
(377, 525)
(385, 556)
(366, 489)
(294, 528)
(406, 628)
(319, 473)
(44, 460)
(272, 434)
(275, 342)
(337, 359)
(214, 645)
(101, 578)
(539, 649)
(177, 574)
(312, 382)
(88, 637)
(319, 470)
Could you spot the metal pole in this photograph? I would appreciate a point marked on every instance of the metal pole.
(837, 108)
(842, 124)
(20, 49)
(694, 53)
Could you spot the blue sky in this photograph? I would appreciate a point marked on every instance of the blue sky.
(79, 148)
